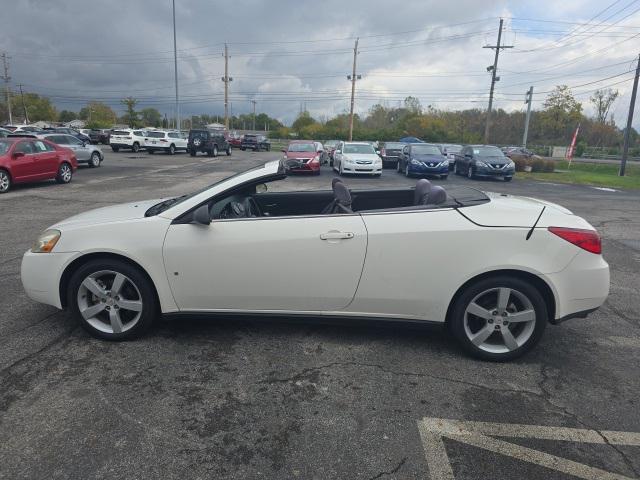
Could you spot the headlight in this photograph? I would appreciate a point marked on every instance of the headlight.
(480, 163)
(444, 164)
(511, 165)
(414, 162)
(46, 241)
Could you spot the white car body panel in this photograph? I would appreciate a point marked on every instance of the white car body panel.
(357, 163)
(179, 141)
(401, 264)
(127, 141)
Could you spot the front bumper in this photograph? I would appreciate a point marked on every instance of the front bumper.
(426, 170)
(41, 273)
(494, 172)
(362, 169)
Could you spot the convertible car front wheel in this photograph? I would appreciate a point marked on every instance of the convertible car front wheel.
(499, 318)
(112, 300)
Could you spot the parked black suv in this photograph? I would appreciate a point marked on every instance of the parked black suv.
(208, 141)
(255, 142)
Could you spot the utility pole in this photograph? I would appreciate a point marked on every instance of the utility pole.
(494, 78)
(175, 64)
(353, 79)
(226, 79)
(231, 109)
(254, 114)
(528, 98)
(7, 78)
(627, 131)
(24, 106)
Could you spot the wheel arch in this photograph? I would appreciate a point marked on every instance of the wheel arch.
(541, 285)
(78, 262)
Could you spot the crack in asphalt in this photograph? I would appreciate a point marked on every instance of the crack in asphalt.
(390, 472)
(32, 355)
(547, 397)
(31, 325)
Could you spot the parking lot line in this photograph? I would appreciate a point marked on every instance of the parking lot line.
(480, 435)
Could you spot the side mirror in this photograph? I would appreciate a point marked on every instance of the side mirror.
(377, 152)
(84, 143)
(201, 215)
(18, 154)
(337, 152)
(284, 150)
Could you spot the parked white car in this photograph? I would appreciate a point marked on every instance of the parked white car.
(494, 268)
(169, 142)
(85, 152)
(129, 139)
(357, 158)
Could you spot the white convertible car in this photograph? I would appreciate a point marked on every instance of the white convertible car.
(493, 268)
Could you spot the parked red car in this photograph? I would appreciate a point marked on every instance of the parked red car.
(25, 160)
(302, 156)
(234, 139)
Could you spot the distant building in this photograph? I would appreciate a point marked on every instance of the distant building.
(215, 126)
(42, 124)
(76, 124)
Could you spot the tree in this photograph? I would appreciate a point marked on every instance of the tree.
(561, 114)
(413, 105)
(303, 120)
(131, 116)
(98, 115)
(602, 101)
(67, 116)
(38, 108)
(151, 117)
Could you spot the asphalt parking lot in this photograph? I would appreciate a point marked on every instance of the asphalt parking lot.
(242, 398)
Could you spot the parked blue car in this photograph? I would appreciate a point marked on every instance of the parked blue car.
(422, 159)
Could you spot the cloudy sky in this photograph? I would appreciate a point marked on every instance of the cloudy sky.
(293, 54)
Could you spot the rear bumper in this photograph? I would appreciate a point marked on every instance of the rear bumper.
(581, 287)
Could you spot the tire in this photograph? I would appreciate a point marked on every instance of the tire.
(507, 179)
(94, 161)
(90, 288)
(5, 181)
(406, 171)
(65, 173)
(172, 149)
(481, 332)
(228, 151)
(444, 177)
(150, 151)
(214, 151)
(470, 174)
(192, 153)
(115, 149)
(242, 148)
(135, 147)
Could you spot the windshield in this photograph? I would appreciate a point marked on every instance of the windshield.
(487, 152)
(394, 145)
(358, 148)
(155, 134)
(425, 150)
(4, 147)
(301, 147)
(453, 148)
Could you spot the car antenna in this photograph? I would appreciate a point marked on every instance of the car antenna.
(534, 225)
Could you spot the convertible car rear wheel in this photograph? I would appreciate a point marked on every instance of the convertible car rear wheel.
(112, 300)
(499, 318)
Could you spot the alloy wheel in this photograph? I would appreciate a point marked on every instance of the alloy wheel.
(65, 173)
(499, 320)
(109, 301)
(470, 171)
(5, 181)
(95, 159)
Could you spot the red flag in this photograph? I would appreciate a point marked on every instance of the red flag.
(572, 147)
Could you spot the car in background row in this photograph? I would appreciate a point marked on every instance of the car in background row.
(390, 152)
(234, 139)
(128, 139)
(255, 143)
(168, 142)
(357, 158)
(330, 148)
(84, 152)
(207, 141)
(303, 156)
(520, 153)
(484, 161)
(25, 160)
(4, 132)
(67, 131)
(420, 159)
(450, 150)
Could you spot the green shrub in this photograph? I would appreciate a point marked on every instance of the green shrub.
(520, 164)
(580, 148)
(537, 165)
(549, 166)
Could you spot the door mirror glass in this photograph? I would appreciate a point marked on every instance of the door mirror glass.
(201, 215)
(261, 188)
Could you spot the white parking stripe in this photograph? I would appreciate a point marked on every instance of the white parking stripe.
(479, 434)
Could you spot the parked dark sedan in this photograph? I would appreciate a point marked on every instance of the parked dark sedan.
(483, 161)
(422, 159)
(255, 142)
(390, 153)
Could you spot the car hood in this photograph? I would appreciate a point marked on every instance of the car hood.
(370, 157)
(300, 154)
(115, 213)
(514, 211)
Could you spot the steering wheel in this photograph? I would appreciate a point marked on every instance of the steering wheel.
(251, 207)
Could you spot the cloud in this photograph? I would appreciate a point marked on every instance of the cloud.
(286, 52)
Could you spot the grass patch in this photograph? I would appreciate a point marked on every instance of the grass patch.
(596, 174)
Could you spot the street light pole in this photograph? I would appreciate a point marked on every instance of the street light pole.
(175, 63)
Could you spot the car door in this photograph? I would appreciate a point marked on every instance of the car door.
(46, 160)
(81, 150)
(23, 168)
(306, 263)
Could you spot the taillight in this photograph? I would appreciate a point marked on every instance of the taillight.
(383, 152)
(588, 240)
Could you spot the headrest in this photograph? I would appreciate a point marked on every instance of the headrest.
(436, 196)
(341, 194)
(422, 191)
(335, 180)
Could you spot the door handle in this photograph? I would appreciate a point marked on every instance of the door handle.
(334, 235)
